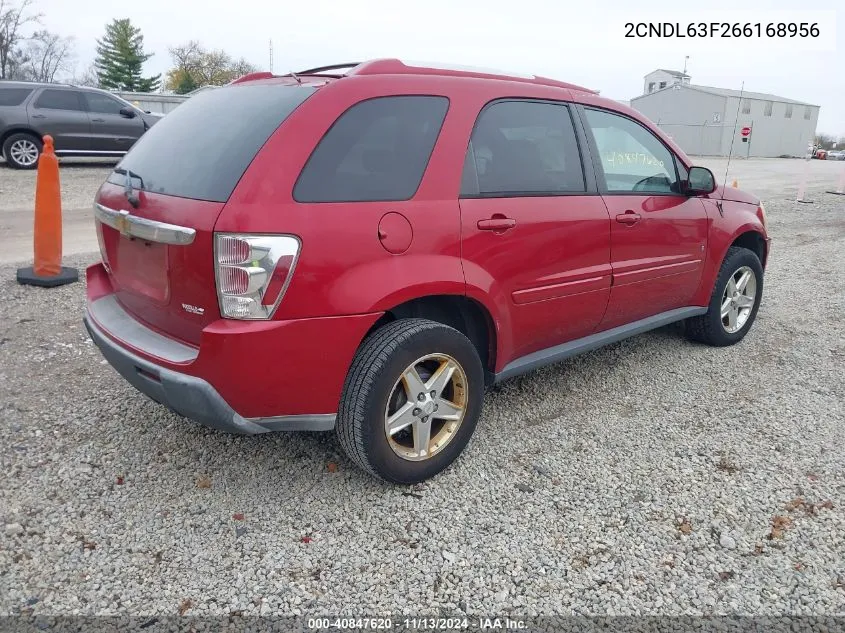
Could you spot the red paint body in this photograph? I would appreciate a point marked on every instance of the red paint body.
(566, 269)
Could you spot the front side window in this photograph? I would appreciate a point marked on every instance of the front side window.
(662, 85)
(525, 148)
(807, 113)
(377, 150)
(788, 113)
(102, 104)
(746, 106)
(59, 100)
(767, 109)
(632, 158)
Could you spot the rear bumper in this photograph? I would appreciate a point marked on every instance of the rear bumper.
(244, 376)
(193, 397)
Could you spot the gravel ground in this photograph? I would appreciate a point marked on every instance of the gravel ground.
(80, 179)
(651, 477)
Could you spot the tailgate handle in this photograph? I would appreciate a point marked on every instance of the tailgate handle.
(142, 228)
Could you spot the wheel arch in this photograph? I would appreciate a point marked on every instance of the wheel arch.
(752, 240)
(468, 316)
(18, 130)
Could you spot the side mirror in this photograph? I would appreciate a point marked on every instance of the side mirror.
(701, 181)
(128, 112)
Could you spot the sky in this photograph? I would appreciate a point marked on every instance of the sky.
(579, 41)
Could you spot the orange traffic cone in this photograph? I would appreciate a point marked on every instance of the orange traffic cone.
(47, 269)
(734, 184)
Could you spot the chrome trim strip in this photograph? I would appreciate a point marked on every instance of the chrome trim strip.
(110, 316)
(142, 228)
(90, 152)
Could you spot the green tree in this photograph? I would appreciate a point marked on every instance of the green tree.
(120, 59)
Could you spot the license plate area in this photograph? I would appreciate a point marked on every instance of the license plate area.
(142, 268)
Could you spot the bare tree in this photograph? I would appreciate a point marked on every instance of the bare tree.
(824, 141)
(12, 18)
(46, 55)
(194, 67)
(87, 78)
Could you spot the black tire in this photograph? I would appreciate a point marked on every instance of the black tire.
(375, 370)
(709, 327)
(16, 138)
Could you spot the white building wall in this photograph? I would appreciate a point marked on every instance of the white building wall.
(771, 135)
(153, 102)
(656, 78)
(704, 124)
(693, 119)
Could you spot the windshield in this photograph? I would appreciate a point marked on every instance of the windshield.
(202, 148)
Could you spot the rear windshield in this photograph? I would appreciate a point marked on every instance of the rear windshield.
(13, 96)
(202, 148)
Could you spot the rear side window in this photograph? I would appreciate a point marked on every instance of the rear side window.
(13, 96)
(377, 150)
(202, 148)
(59, 100)
(524, 148)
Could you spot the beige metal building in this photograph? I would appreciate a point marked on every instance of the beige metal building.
(704, 120)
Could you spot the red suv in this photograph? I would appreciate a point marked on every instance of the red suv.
(368, 250)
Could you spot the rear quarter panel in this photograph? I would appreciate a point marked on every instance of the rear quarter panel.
(343, 268)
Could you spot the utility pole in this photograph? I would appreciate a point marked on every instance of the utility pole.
(686, 57)
(271, 55)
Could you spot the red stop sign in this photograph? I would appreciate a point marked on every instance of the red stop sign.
(746, 131)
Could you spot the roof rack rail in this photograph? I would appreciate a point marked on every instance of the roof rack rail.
(322, 69)
(261, 74)
(390, 66)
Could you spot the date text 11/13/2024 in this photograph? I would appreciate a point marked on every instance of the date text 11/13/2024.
(419, 624)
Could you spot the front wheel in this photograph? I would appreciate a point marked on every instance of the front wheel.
(411, 400)
(734, 302)
(22, 151)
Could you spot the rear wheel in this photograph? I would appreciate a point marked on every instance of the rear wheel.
(411, 400)
(22, 151)
(734, 302)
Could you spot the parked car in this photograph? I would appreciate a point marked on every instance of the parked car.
(367, 251)
(836, 154)
(82, 122)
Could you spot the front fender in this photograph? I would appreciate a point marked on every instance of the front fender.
(723, 233)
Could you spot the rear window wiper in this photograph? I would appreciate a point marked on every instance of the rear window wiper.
(128, 191)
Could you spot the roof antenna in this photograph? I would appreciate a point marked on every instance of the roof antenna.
(731, 151)
(298, 80)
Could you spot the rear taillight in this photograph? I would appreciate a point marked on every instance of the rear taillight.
(253, 272)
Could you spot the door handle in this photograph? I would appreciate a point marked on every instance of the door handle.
(496, 223)
(629, 217)
(98, 120)
(39, 116)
